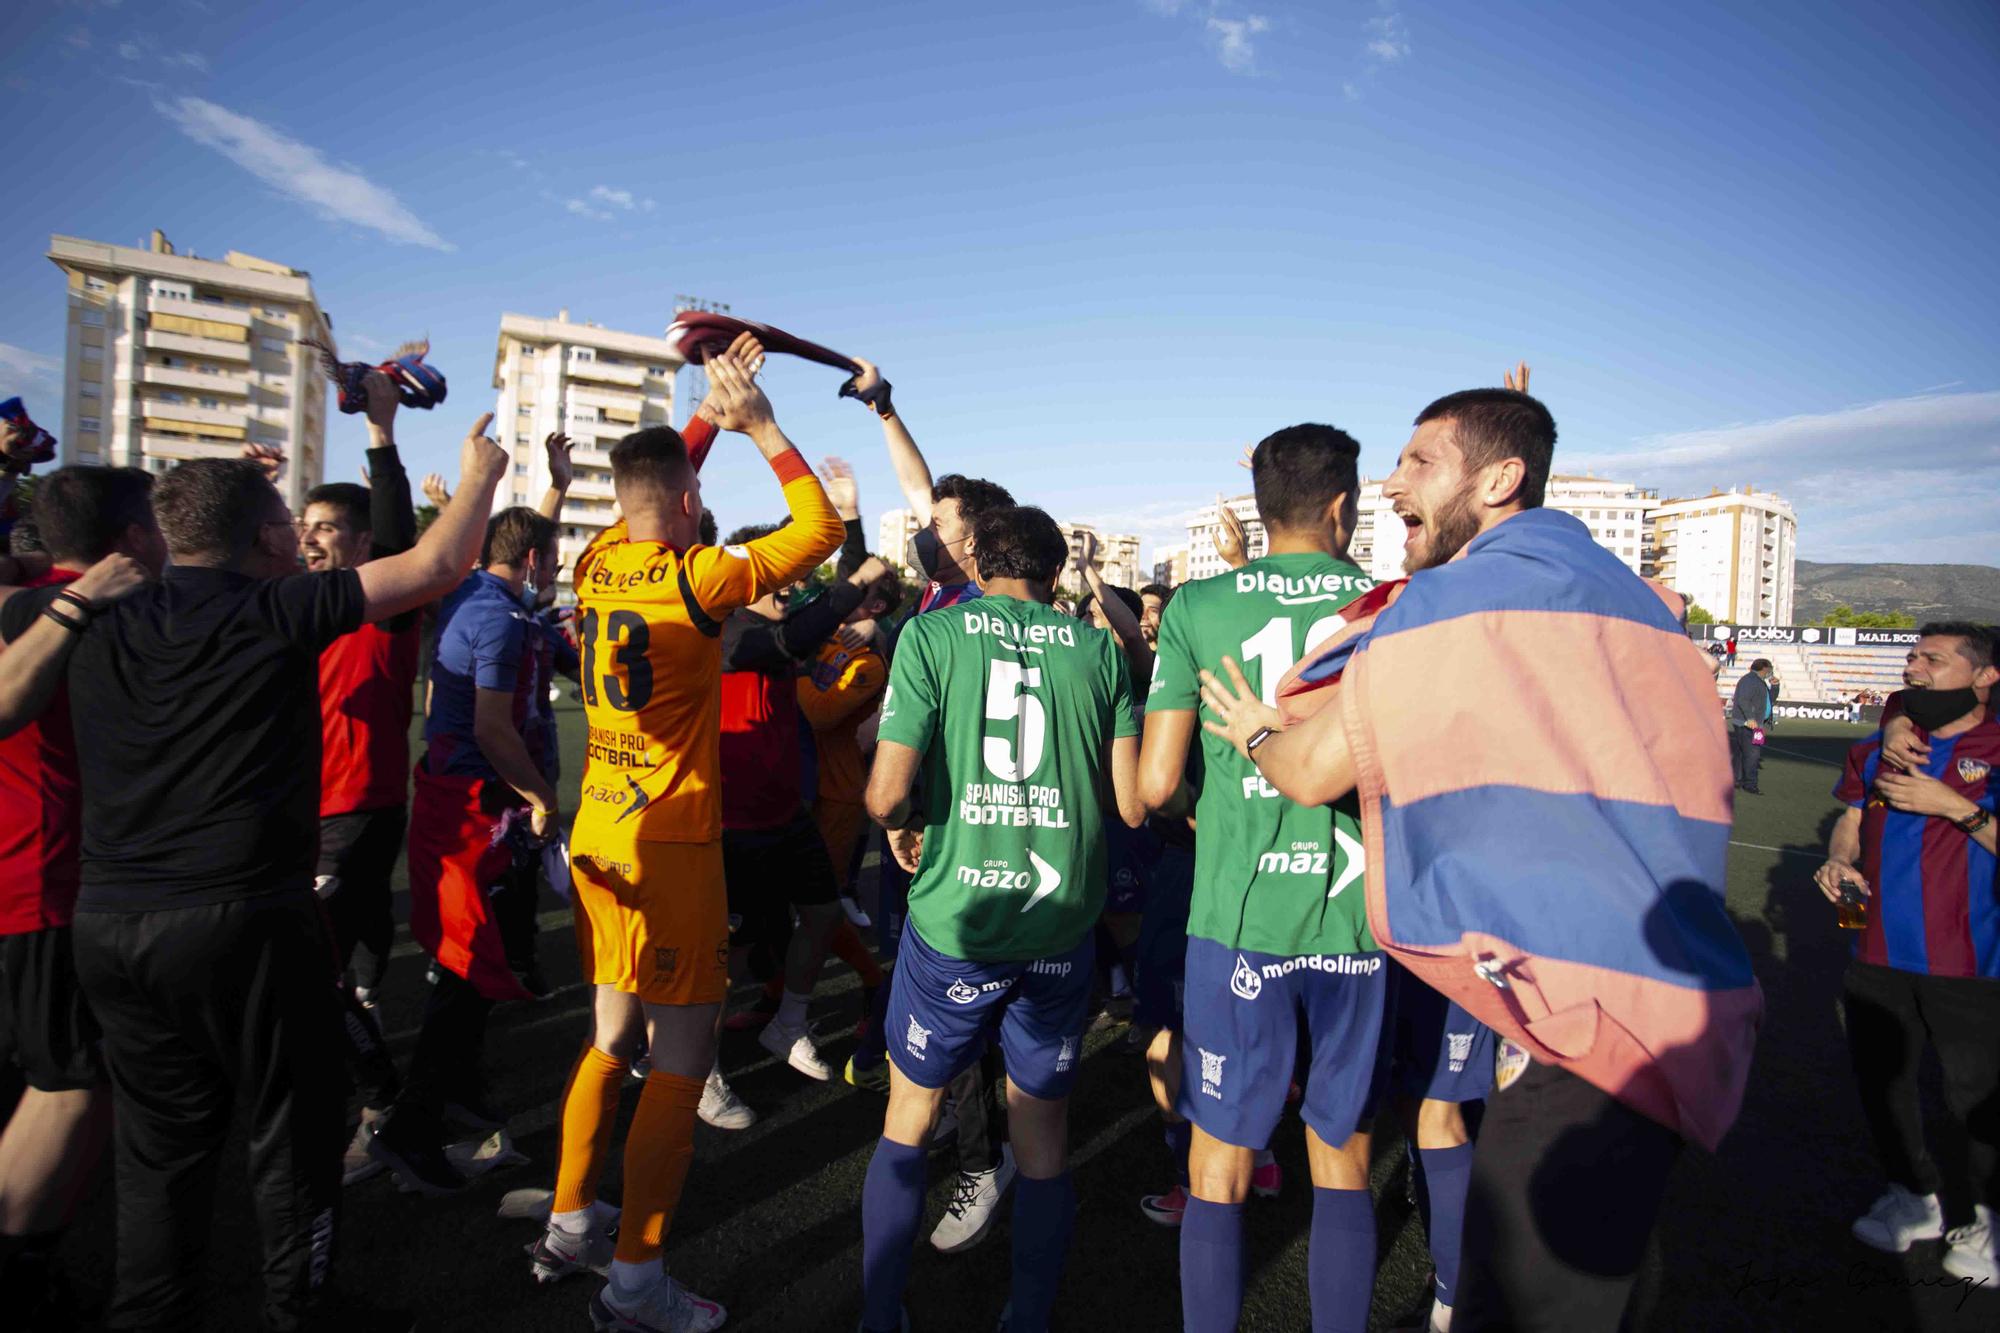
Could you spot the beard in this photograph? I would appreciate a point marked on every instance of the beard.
(1449, 530)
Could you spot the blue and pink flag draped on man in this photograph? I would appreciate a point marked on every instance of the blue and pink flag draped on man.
(1545, 792)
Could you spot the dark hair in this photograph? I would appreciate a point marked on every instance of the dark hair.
(350, 498)
(1018, 542)
(1975, 641)
(976, 497)
(750, 532)
(1760, 664)
(1497, 424)
(213, 507)
(513, 533)
(656, 456)
(1300, 470)
(1125, 595)
(705, 530)
(887, 590)
(81, 512)
(1159, 590)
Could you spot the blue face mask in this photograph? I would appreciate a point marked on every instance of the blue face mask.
(529, 596)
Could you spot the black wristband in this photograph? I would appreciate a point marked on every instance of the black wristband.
(73, 626)
(79, 601)
(1975, 821)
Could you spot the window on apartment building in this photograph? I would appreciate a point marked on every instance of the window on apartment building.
(520, 469)
(274, 344)
(525, 410)
(90, 389)
(89, 423)
(96, 285)
(661, 371)
(92, 353)
(92, 317)
(582, 354)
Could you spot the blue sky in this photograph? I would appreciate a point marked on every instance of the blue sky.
(1098, 247)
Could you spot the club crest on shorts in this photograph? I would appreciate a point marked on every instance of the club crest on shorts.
(1509, 1063)
(665, 960)
(1066, 1057)
(1973, 770)
(1211, 1073)
(1244, 981)
(960, 993)
(1458, 1049)
(917, 1040)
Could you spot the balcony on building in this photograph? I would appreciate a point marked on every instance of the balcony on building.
(158, 414)
(161, 340)
(181, 448)
(169, 308)
(623, 408)
(177, 377)
(632, 377)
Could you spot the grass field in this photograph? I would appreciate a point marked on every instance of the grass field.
(1753, 1239)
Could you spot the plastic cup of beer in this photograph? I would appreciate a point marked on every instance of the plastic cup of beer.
(1852, 909)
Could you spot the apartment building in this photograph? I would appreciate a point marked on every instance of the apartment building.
(591, 383)
(1117, 558)
(1735, 552)
(168, 356)
(895, 533)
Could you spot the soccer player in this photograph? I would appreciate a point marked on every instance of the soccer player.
(479, 797)
(652, 916)
(1917, 846)
(366, 681)
(1154, 597)
(774, 859)
(54, 1138)
(1022, 721)
(947, 509)
(198, 939)
(1544, 853)
(1277, 930)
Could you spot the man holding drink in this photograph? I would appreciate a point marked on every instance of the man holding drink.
(1911, 864)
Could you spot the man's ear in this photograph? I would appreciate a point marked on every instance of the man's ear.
(1501, 482)
(1986, 677)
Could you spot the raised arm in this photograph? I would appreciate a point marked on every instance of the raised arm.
(450, 546)
(1123, 623)
(815, 531)
(913, 474)
(560, 476)
(391, 519)
(837, 477)
(32, 665)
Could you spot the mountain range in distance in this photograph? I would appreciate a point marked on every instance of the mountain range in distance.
(1928, 592)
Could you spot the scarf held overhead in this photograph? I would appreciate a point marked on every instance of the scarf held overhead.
(1545, 794)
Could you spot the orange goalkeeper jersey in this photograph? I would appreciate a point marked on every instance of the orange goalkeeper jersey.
(648, 625)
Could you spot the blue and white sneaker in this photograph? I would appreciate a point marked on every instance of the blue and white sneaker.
(664, 1307)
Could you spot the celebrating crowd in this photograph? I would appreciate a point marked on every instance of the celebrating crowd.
(1448, 849)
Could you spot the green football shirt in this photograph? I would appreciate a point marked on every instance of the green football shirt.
(1013, 707)
(1270, 875)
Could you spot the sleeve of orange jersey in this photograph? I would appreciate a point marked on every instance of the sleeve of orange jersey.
(860, 681)
(731, 576)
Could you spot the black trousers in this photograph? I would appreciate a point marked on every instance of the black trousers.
(1891, 1016)
(1567, 1183)
(205, 1009)
(1744, 757)
(357, 858)
(514, 900)
(450, 1047)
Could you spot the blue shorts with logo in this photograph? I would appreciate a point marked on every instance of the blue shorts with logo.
(943, 1010)
(1440, 1052)
(1240, 1040)
(1160, 968)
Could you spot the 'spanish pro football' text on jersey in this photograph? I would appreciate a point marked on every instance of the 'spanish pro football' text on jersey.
(1270, 875)
(1013, 707)
(648, 630)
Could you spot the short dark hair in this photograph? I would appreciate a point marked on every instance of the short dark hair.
(1159, 590)
(81, 512)
(705, 529)
(656, 456)
(1497, 424)
(1975, 642)
(513, 533)
(213, 507)
(1018, 542)
(350, 498)
(887, 590)
(975, 495)
(1125, 595)
(1300, 470)
(750, 532)
(1760, 664)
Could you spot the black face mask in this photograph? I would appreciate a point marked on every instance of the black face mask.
(1931, 709)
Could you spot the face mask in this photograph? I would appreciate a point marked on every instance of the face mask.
(530, 595)
(1931, 709)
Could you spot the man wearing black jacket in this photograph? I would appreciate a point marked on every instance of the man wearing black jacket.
(1749, 713)
(773, 856)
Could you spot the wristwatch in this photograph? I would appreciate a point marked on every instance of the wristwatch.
(1262, 734)
(1975, 821)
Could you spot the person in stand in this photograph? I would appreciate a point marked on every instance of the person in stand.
(1729, 651)
(199, 941)
(1916, 845)
(1749, 716)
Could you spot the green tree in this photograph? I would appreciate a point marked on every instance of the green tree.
(426, 515)
(1699, 614)
(1846, 617)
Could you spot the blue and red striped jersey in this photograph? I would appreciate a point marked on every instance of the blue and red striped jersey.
(1935, 908)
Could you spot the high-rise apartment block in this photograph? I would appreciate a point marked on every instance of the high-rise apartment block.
(1117, 558)
(591, 383)
(168, 356)
(1202, 561)
(1170, 565)
(895, 535)
(1735, 552)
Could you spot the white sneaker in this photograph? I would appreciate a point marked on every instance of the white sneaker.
(1898, 1218)
(796, 1048)
(355, 1164)
(1973, 1251)
(721, 1107)
(557, 1253)
(664, 1307)
(975, 1199)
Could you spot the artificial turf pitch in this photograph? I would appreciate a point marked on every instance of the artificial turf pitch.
(1755, 1238)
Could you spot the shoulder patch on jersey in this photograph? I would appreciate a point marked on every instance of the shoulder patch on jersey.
(740, 552)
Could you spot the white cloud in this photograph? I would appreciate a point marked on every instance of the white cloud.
(619, 198)
(582, 208)
(130, 50)
(1388, 39)
(193, 60)
(18, 363)
(298, 170)
(1232, 41)
(604, 202)
(1878, 481)
(79, 38)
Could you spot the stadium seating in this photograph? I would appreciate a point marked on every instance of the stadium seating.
(1817, 674)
